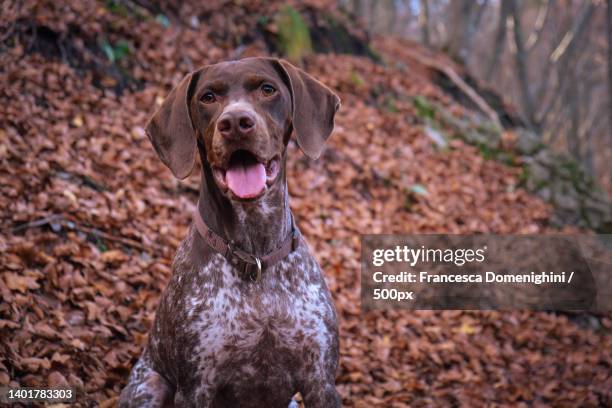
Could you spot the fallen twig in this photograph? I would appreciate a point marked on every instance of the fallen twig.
(71, 224)
(109, 237)
(38, 223)
(461, 84)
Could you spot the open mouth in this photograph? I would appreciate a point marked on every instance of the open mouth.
(246, 176)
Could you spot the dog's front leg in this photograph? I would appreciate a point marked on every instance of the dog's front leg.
(321, 395)
(146, 388)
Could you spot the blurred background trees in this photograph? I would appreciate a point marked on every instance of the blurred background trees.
(552, 59)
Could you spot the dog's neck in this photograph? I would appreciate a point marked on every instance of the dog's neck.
(258, 227)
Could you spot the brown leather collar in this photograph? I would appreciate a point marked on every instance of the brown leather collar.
(248, 264)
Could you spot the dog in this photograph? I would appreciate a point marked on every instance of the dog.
(246, 319)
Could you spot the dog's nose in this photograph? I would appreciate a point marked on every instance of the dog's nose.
(236, 123)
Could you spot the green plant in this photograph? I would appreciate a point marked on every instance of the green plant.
(356, 79)
(117, 8)
(293, 34)
(116, 52)
(424, 108)
(163, 20)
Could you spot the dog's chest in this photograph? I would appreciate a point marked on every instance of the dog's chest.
(237, 322)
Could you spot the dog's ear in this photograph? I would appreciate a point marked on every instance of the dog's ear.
(171, 129)
(313, 108)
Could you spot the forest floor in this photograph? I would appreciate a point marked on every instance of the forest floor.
(91, 218)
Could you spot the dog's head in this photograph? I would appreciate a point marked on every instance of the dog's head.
(243, 112)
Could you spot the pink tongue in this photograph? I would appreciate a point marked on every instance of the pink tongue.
(246, 181)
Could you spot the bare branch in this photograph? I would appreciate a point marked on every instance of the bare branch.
(570, 38)
(539, 25)
(460, 83)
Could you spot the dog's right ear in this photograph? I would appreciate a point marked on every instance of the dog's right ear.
(171, 129)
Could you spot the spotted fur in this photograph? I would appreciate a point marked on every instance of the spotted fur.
(220, 340)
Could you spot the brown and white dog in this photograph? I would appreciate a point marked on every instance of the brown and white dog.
(247, 319)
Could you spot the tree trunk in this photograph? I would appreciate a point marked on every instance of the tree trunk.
(521, 67)
(472, 29)
(609, 27)
(424, 22)
(565, 55)
(359, 10)
(573, 135)
(460, 19)
(500, 39)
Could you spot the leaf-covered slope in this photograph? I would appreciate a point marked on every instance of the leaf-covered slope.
(91, 218)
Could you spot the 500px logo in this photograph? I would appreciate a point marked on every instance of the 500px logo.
(392, 294)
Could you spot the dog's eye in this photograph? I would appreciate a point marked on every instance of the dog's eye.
(267, 89)
(208, 97)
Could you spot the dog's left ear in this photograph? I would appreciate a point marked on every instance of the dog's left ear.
(313, 108)
(171, 129)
